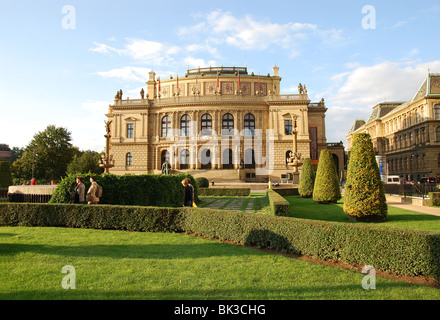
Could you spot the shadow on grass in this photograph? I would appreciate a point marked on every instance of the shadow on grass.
(147, 251)
(179, 292)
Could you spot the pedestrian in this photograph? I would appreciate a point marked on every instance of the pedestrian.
(80, 190)
(93, 193)
(188, 193)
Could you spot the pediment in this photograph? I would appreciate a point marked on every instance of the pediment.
(131, 119)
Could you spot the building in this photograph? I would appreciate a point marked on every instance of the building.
(406, 135)
(5, 152)
(221, 123)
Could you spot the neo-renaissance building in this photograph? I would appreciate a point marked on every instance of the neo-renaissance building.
(406, 135)
(220, 122)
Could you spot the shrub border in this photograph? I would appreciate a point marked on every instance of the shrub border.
(392, 250)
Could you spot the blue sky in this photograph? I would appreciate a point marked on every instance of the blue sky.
(53, 74)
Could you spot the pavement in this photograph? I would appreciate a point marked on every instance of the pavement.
(408, 206)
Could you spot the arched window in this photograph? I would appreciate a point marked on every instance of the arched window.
(184, 159)
(249, 124)
(129, 159)
(228, 124)
(249, 159)
(227, 159)
(206, 125)
(185, 122)
(288, 155)
(165, 155)
(205, 159)
(166, 126)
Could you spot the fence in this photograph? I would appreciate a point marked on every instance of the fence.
(415, 190)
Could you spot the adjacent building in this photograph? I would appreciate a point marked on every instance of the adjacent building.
(217, 122)
(406, 134)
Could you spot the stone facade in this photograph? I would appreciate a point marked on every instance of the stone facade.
(406, 135)
(241, 118)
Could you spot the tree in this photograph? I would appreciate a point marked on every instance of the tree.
(5, 174)
(307, 179)
(364, 198)
(326, 189)
(85, 162)
(46, 157)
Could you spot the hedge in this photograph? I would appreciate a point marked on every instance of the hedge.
(396, 251)
(224, 192)
(278, 205)
(434, 199)
(141, 190)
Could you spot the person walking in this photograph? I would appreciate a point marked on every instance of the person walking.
(78, 194)
(188, 193)
(93, 192)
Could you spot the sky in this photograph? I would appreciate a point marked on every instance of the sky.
(61, 62)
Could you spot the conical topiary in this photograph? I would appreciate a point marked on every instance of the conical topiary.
(326, 189)
(364, 198)
(306, 179)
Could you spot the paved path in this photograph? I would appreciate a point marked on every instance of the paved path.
(424, 209)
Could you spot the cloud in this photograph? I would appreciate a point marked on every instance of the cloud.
(354, 93)
(247, 33)
(127, 73)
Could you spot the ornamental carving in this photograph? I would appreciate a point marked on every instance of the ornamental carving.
(435, 85)
(261, 89)
(245, 88)
(210, 88)
(227, 88)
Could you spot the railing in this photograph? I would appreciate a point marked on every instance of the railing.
(417, 190)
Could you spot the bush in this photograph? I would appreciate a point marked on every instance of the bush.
(202, 182)
(224, 192)
(278, 205)
(364, 197)
(434, 199)
(397, 251)
(326, 189)
(307, 179)
(141, 190)
(5, 174)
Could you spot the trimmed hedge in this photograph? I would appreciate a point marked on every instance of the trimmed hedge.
(397, 251)
(224, 192)
(202, 182)
(278, 205)
(434, 199)
(5, 174)
(141, 190)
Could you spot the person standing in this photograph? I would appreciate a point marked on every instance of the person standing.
(80, 190)
(188, 193)
(92, 194)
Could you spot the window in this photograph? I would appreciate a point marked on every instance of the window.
(184, 159)
(130, 130)
(249, 125)
(165, 155)
(437, 111)
(287, 127)
(205, 159)
(249, 159)
(437, 134)
(228, 124)
(185, 125)
(166, 126)
(227, 159)
(129, 159)
(206, 125)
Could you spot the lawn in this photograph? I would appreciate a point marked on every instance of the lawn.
(398, 218)
(138, 265)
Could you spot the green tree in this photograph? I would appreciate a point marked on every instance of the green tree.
(46, 157)
(5, 174)
(326, 189)
(85, 162)
(307, 179)
(364, 198)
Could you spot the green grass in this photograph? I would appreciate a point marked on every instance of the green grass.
(136, 265)
(307, 208)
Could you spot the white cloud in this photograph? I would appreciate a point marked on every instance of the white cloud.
(353, 94)
(127, 73)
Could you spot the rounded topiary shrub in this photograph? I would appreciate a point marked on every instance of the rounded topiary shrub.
(202, 182)
(326, 188)
(306, 179)
(364, 198)
(5, 174)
